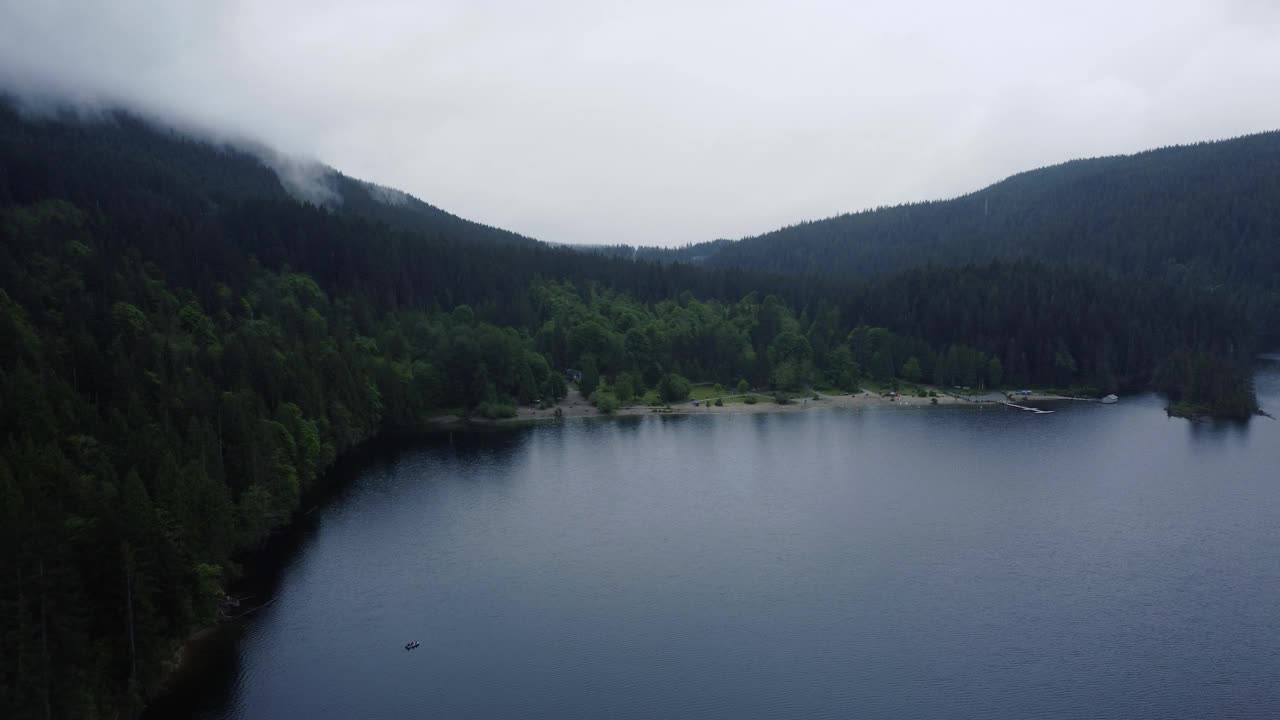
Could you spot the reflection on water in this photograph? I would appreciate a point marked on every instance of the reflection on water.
(1100, 561)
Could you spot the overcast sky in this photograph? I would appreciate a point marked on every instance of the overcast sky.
(664, 123)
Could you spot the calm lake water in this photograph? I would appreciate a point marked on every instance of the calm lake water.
(1098, 562)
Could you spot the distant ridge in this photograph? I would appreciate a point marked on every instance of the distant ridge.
(1202, 214)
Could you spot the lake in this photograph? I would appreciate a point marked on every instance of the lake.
(1100, 561)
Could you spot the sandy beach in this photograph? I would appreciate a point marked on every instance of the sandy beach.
(577, 406)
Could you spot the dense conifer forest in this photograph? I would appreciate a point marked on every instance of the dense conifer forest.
(186, 346)
(1202, 217)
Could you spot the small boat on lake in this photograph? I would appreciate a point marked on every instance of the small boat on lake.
(411, 645)
(1109, 399)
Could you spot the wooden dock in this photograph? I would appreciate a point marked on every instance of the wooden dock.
(1037, 411)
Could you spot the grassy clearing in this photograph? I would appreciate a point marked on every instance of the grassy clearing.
(740, 399)
(701, 391)
(704, 391)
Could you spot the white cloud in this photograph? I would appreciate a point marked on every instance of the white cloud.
(664, 123)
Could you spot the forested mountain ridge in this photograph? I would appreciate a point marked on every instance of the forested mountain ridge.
(41, 149)
(185, 347)
(1197, 215)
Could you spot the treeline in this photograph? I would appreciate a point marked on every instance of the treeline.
(1202, 384)
(184, 348)
(993, 325)
(1059, 327)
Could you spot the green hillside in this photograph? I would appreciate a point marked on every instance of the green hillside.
(1204, 216)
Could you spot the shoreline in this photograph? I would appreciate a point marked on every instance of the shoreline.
(185, 660)
(187, 654)
(575, 405)
(258, 580)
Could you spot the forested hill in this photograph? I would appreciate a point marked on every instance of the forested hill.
(72, 156)
(186, 346)
(1199, 215)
